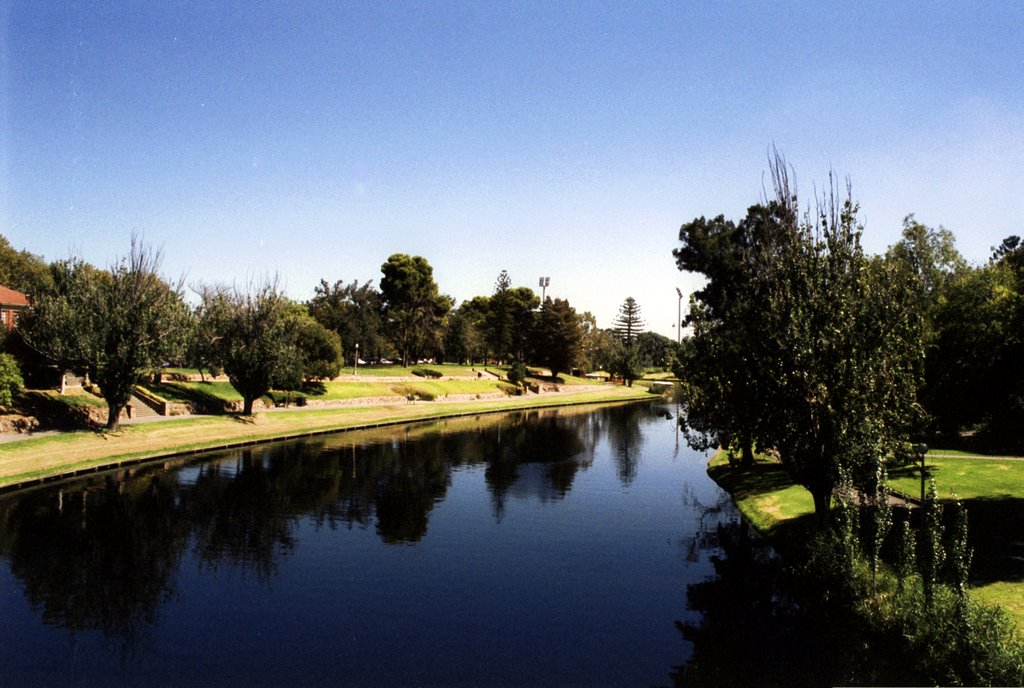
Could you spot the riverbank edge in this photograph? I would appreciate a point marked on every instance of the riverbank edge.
(766, 524)
(402, 416)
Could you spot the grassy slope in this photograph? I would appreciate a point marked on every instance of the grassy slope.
(769, 500)
(32, 459)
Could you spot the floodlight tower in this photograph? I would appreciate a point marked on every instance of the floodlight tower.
(544, 283)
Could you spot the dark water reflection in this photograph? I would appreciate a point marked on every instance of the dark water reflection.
(536, 548)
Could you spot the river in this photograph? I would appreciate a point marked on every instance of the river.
(551, 547)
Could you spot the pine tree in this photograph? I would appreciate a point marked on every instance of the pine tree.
(628, 323)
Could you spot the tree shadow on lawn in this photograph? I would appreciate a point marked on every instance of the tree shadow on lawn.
(199, 400)
(996, 532)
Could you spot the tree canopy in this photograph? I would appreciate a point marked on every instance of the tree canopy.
(121, 324)
(811, 349)
(414, 309)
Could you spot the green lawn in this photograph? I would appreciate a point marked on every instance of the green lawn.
(967, 478)
(992, 491)
(447, 369)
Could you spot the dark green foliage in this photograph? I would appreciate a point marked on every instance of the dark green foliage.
(11, 382)
(975, 366)
(559, 336)
(465, 336)
(517, 374)
(23, 271)
(933, 554)
(879, 524)
(122, 324)
(355, 312)
(319, 347)
(251, 338)
(414, 310)
(628, 324)
(906, 554)
(427, 372)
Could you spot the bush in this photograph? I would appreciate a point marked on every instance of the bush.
(427, 372)
(11, 382)
(517, 374)
(511, 390)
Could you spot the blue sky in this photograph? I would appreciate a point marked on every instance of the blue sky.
(315, 139)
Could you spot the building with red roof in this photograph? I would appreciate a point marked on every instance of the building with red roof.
(12, 304)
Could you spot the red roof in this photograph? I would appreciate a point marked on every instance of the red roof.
(9, 297)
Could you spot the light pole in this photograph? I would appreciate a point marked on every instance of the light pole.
(921, 450)
(679, 317)
(355, 363)
(543, 284)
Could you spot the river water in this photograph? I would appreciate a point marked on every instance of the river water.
(539, 548)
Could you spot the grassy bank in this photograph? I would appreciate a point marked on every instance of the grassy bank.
(29, 460)
(992, 491)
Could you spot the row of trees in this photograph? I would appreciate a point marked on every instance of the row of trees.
(124, 323)
(805, 345)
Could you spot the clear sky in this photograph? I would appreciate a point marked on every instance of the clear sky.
(314, 139)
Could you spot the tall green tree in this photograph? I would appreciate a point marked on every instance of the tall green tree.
(23, 271)
(414, 309)
(250, 337)
(974, 369)
(522, 308)
(718, 368)
(355, 312)
(627, 323)
(122, 324)
(465, 339)
(498, 322)
(829, 366)
(840, 354)
(559, 336)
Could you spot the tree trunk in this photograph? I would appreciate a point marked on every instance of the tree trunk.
(822, 506)
(747, 454)
(247, 405)
(114, 416)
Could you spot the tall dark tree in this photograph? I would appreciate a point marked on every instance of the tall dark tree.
(522, 306)
(355, 312)
(414, 309)
(559, 336)
(974, 371)
(122, 324)
(465, 335)
(498, 322)
(718, 366)
(628, 324)
(829, 362)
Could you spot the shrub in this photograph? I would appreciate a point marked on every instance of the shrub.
(11, 382)
(517, 374)
(427, 372)
(511, 390)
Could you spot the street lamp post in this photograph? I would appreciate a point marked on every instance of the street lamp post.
(679, 317)
(355, 363)
(921, 450)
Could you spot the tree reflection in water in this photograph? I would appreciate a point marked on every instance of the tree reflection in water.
(102, 553)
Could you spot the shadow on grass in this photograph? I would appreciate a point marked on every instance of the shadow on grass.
(787, 536)
(996, 532)
(199, 400)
